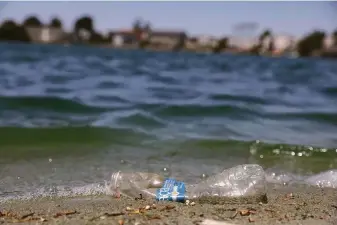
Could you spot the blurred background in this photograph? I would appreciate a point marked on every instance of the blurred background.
(272, 28)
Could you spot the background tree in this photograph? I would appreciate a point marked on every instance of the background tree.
(55, 23)
(147, 27)
(32, 21)
(265, 35)
(85, 23)
(84, 29)
(137, 29)
(221, 45)
(180, 44)
(97, 38)
(311, 43)
(334, 36)
(10, 31)
(144, 34)
(137, 25)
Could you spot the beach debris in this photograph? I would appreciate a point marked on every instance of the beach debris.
(244, 212)
(140, 197)
(120, 222)
(147, 207)
(269, 210)
(66, 213)
(116, 193)
(152, 217)
(251, 220)
(153, 206)
(174, 190)
(114, 214)
(167, 208)
(136, 211)
(43, 219)
(27, 215)
(192, 203)
(187, 202)
(234, 215)
(102, 217)
(289, 196)
(128, 208)
(7, 214)
(214, 222)
(105, 215)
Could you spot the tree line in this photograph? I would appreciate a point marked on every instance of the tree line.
(309, 45)
(84, 31)
(12, 31)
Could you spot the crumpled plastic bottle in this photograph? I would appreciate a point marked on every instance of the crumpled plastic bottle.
(241, 180)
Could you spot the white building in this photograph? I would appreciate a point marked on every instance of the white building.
(117, 40)
(205, 40)
(328, 41)
(244, 43)
(283, 42)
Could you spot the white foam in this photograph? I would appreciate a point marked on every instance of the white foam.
(59, 191)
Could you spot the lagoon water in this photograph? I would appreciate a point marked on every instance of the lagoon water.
(70, 116)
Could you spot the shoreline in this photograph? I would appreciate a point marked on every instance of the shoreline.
(201, 50)
(310, 206)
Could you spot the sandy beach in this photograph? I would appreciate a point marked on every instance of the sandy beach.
(284, 206)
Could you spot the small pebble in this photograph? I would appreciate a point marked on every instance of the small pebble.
(192, 203)
(128, 208)
(120, 222)
(147, 207)
(154, 206)
(187, 202)
(102, 217)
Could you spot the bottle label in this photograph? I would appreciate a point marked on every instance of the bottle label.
(172, 190)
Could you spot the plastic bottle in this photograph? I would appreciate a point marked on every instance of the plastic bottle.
(241, 180)
(135, 184)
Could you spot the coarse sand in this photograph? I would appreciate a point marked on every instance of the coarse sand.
(307, 206)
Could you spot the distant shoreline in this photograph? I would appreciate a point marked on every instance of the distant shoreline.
(330, 54)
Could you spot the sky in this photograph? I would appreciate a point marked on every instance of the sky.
(197, 18)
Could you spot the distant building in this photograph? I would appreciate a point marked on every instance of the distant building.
(205, 40)
(46, 34)
(284, 43)
(242, 43)
(328, 41)
(191, 43)
(123, 37)
(168, 38)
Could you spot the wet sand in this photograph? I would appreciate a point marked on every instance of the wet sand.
(284, 206)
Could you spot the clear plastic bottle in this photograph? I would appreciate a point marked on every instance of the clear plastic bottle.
(241, 180)
(134, 184)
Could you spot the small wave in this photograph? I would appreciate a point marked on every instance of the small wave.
(143, 119)
(199, 110)
(248, 99)
(329, 118)
(330, 91)
(55, 104)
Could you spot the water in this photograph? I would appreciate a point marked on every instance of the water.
(70, 115)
